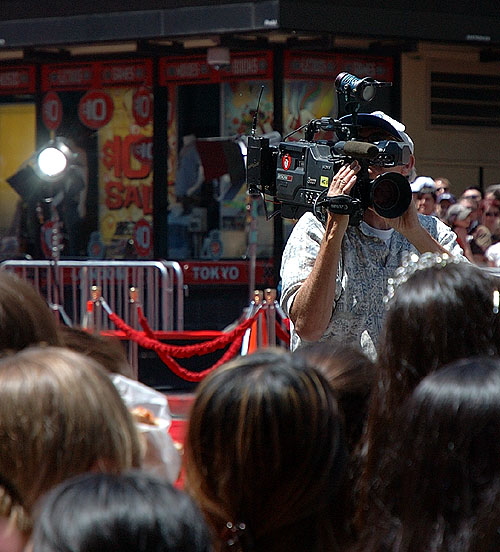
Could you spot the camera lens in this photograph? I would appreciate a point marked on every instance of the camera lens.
(390, 195)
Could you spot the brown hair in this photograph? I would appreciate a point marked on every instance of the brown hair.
(60, 415)
(25, 318)
(264, 450)
(106, 350)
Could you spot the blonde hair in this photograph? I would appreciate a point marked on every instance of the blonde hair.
(60, 415)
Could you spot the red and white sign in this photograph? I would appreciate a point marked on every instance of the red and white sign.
(227, 272)
(143, 238)
(95, 109)
(52, 110)
(142, 106)
(17, 80)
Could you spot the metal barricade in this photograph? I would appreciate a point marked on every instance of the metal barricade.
(67, 287)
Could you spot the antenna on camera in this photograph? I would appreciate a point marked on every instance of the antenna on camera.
(256, 114)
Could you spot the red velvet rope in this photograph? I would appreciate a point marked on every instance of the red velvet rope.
(282, 334)
(144, 323)
(166, 352)
(198, 376)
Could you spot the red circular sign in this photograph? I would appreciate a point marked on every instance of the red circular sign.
(286, 161)
(143, 238)
(52, 110)
(95, 109)
(142, 106)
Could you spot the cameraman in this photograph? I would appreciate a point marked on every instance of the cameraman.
(334, 276)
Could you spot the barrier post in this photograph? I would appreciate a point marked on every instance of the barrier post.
(250, 339)
(270, 299)
(133, 348)
(95, 295)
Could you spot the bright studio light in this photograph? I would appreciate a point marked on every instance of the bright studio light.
(53, 160)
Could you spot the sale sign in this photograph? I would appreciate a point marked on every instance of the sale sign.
(52, 110)
(142, 106)
(125, 172)
(95, 109)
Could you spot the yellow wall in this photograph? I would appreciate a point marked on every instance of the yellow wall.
(17, 143)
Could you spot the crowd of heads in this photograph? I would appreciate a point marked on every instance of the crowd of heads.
(474, 215)
(316, 449)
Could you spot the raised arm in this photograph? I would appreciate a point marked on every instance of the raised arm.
(313, 304)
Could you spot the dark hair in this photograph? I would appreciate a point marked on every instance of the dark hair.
(264, 451)
(439, 314)
(439, 478)
(135, 512)
(442, 312)
(351, 374)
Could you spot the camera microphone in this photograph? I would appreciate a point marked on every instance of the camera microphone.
(356, 149)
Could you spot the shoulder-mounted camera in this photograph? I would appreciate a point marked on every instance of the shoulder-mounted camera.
(297, 175)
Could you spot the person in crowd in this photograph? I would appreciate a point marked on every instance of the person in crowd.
(474, 238)
(25, 317)
(107, 351)
(351, 375)
(149, 407)
(60, 415)
(443, 202)
(439, 475)
(265, 457)
(439, 309)
(459, 219)
(491, 216)
(420, 183)
(426, 201)
(472, 192)
(129, 512)
(475, 206)
(443, 185)
(334, 276)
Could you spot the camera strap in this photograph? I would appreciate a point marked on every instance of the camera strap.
(345, 205)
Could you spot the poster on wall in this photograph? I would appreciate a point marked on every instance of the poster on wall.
(105, 109)
(125, 177)
(309, 87)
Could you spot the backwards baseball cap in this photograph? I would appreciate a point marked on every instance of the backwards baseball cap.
(423, 183)
(457, 212)
(379, 119)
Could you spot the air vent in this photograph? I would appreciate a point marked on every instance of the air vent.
(465, 100)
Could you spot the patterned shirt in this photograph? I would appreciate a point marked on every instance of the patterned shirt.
(366, 262)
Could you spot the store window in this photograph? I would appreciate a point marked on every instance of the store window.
(211, 112)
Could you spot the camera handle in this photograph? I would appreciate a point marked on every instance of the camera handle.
(342, 205)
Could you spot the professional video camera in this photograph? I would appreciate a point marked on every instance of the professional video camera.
(297, 175)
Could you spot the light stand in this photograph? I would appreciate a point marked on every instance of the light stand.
(51, 164)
